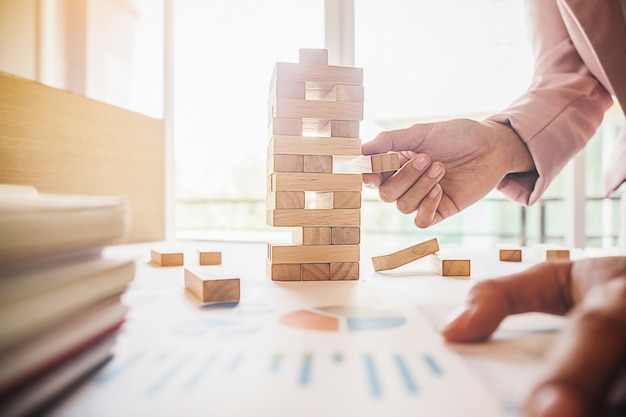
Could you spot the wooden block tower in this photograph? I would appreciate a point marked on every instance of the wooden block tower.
(315, 110)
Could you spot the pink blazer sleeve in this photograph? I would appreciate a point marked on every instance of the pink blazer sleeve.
(561, 110)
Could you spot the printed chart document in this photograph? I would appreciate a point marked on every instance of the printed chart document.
(366, 348)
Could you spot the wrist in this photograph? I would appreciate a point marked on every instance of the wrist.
(513, 149)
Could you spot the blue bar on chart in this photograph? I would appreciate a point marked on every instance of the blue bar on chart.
(305, 371)
(405, 373)
(372, 376)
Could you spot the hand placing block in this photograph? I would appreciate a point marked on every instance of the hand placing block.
(212, 290)
(403, 257)
(167, 258)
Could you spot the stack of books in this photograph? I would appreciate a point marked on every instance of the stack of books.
(60, 297)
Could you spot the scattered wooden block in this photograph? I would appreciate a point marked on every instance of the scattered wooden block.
(404, 256)
(557, 254)
(167, 258)
(212, 290)
(452, 267)
(209, 257)
(511, 255)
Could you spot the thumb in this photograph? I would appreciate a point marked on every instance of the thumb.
(407, 139)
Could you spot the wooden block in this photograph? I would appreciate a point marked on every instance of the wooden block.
(404, 256)
(314, 56)
(557, 254)
(329, 110)
(285, 163)
(345, 235)
(452, 267)
(167, 258)
(290, 90)
(281, 200)
(283, 272)
(346, 93)
(338, 200)
(297, 145)
(318, 163)
(340, 271)
(311, 235)
(209, 258)
(376, 163)
(511, 255)
(313, 218)
(316, 182)
(346, 199)
(212, 290)
(315, 272)
(286, 126)
(385, 162)
(289, 254)
(341, 128)
(287, 71)
(324, 200)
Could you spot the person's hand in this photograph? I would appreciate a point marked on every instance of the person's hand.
(588, 357)
(446, 166)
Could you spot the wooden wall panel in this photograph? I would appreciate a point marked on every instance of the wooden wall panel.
(62, 142)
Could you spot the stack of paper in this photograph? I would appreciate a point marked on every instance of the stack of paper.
(60, 307)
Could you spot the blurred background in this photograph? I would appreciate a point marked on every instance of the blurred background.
(205, 66)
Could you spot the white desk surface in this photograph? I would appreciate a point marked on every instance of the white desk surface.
(178, 358)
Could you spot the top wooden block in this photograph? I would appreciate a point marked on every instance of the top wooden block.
(314, 56)
(327, 75)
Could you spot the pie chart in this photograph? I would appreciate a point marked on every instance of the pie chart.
(343, 319)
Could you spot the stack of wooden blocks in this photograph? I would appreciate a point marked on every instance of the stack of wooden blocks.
(315, 110)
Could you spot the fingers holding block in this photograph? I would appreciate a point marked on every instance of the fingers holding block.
(212, 290)
(404, 256)
(376, 163)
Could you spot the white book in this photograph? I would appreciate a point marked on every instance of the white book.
(55, 382)
(36, 224)
(35, 300)
(33, 356)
